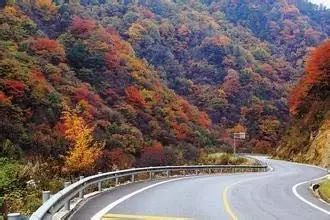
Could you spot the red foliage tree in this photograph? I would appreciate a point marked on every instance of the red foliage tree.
(81, 26)
(152, 156)
(231, 84)
(119, 159)
(48, 48)
(134, 95)
(186, 108)
(112, 59)
(83, 93)
(14, 88)
(180, 130)
(317, 72)
(37, 75)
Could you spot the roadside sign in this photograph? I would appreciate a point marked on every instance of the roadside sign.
(240, 135)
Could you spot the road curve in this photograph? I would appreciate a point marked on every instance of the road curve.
(252, 196)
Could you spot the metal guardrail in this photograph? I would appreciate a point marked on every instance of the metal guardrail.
(62, 199)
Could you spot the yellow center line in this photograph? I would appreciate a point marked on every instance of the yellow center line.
(228, 209)
(136, 217)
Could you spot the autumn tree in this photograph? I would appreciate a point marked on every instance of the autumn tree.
(204, 120)
(46, 5)
(84, 151)
(14, 88)
(231, 83)
(49, 49)
(4, 99)
(82, 27)
(119, 159)
(317, 72)
(238, 128)
(112, 60)
(152, 155)
(134, 95)
(136, 32)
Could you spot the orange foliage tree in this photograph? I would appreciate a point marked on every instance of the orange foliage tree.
(48, 48)
(46, 5)
(317, 72)
(134, 95)
(84, 151)
(180, 130)
(3, 98)
(204, 120)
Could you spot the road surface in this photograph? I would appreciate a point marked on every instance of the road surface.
(270, 195)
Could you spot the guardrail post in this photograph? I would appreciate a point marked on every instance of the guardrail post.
(45, 196)
(99, 184)
(117, 181)
(184, 172)
(196, 171)
(133, 178)
(81, 192)
(14, 216)
(167, 173)
(150, 175)
(210, 171)
(67, 204)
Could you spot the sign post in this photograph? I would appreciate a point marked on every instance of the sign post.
(240, 136)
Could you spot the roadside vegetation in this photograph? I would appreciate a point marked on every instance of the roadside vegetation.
(324, 190)
(223, 159)
(21, 185)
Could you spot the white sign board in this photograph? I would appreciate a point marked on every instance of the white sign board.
(240, 135)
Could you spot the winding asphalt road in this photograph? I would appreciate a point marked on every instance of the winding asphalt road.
(270, 195)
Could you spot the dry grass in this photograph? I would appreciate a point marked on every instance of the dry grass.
(324, 190)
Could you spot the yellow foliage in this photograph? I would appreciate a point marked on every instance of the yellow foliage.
(84, 151)
(136, 32)
(10, 10)
(46, 5)
(238, 128)
(269, 126)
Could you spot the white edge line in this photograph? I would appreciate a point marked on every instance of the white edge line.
(294, 190)
(106, 209)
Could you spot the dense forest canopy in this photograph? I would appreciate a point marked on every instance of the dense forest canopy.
(96, 85)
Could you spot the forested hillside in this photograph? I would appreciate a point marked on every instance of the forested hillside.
(89, 86)
(234, 60)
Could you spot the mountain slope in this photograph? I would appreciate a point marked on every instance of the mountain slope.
(234, 60)
(92, 70)
(307, 138)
